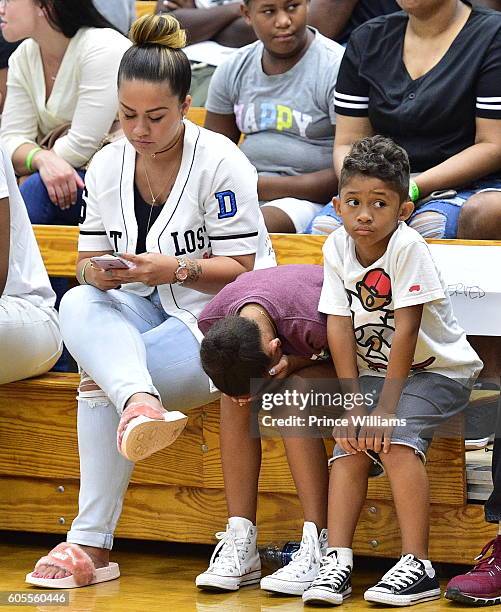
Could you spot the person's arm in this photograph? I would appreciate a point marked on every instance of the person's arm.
(4, 242)
(340, 336)
(87, 274)
(96, 65)
(481, 159)
(318, 186)
(330, 16)
(342, 346)
(351, 101)
(484, 156)
(201, 23)
(204, 275)
(19, 133)
(237, 34)
(289, 364)
(413, 264)
(403, 346)
(19, 118)
(348, 131)
(223, 124)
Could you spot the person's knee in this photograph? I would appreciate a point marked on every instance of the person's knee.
(72, 301)
(88, 388)
(397, 454)
(429, 224)
(324, 225)
(352, 464)
(277, 220)
(480, 216)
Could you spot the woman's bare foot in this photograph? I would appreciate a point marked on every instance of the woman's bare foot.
(99, 556)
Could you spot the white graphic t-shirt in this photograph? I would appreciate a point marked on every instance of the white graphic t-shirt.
(405, 275)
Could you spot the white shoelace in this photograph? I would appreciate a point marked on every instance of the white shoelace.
(404, 573)
(331, 572)
(303, 559)
(226, 554)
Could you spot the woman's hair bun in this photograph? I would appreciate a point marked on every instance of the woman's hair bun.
(164, 30)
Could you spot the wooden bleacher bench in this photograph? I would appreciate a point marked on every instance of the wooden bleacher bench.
(177, 494)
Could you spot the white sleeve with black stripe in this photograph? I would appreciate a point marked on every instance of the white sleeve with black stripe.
(232, 208)
(352, 91)
(92, 232)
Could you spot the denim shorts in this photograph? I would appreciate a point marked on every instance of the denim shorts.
(428, 400)
(450, 208)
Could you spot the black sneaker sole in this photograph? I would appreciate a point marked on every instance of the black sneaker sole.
(457, 595)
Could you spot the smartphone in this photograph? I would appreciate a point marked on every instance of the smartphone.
(111, 262)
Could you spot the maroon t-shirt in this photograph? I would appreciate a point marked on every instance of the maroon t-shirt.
(290, 294)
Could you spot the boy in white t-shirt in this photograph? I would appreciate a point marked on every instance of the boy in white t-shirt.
(30, 341)
(394, 338)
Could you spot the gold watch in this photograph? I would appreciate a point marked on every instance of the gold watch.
(181, 274)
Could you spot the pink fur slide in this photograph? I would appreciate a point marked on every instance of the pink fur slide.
(144, 430)
(73, 559)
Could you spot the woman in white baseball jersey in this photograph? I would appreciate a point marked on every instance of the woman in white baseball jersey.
(179, 204)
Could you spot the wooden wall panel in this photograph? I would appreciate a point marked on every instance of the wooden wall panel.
(38, 436)
(184, 514)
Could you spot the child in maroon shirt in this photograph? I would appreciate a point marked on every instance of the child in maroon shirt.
(265, 324)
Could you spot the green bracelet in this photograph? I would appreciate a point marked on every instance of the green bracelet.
(413, 191)
(83, 280)
(30, 156)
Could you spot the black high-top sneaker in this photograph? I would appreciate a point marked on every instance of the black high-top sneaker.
(408, 582)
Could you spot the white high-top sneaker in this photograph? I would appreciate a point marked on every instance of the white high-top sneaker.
(235, 561)
(296, 576)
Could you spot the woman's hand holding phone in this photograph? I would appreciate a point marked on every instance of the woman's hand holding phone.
(97, 272)
(109, 271)
(152, 269)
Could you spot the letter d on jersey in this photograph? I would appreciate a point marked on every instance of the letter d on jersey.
(227, 204)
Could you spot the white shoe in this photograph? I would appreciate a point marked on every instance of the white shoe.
(333, 582)
(235, 561)
(296, 576)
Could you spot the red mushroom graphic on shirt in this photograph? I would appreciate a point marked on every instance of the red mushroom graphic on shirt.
(373, 340)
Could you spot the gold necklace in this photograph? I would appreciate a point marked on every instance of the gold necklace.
(266, 316)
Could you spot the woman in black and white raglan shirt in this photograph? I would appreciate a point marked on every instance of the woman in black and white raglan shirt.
(30, 342)
(429, 77)
(178, 203)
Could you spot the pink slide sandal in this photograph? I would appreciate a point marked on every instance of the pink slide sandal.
(72, 558)
(141, 433)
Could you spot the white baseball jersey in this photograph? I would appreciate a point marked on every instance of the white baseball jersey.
(212, 210)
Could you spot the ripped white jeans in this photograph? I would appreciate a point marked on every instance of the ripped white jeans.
(126, 344)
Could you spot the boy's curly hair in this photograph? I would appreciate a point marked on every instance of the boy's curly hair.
(232, 355)
(378, 157)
